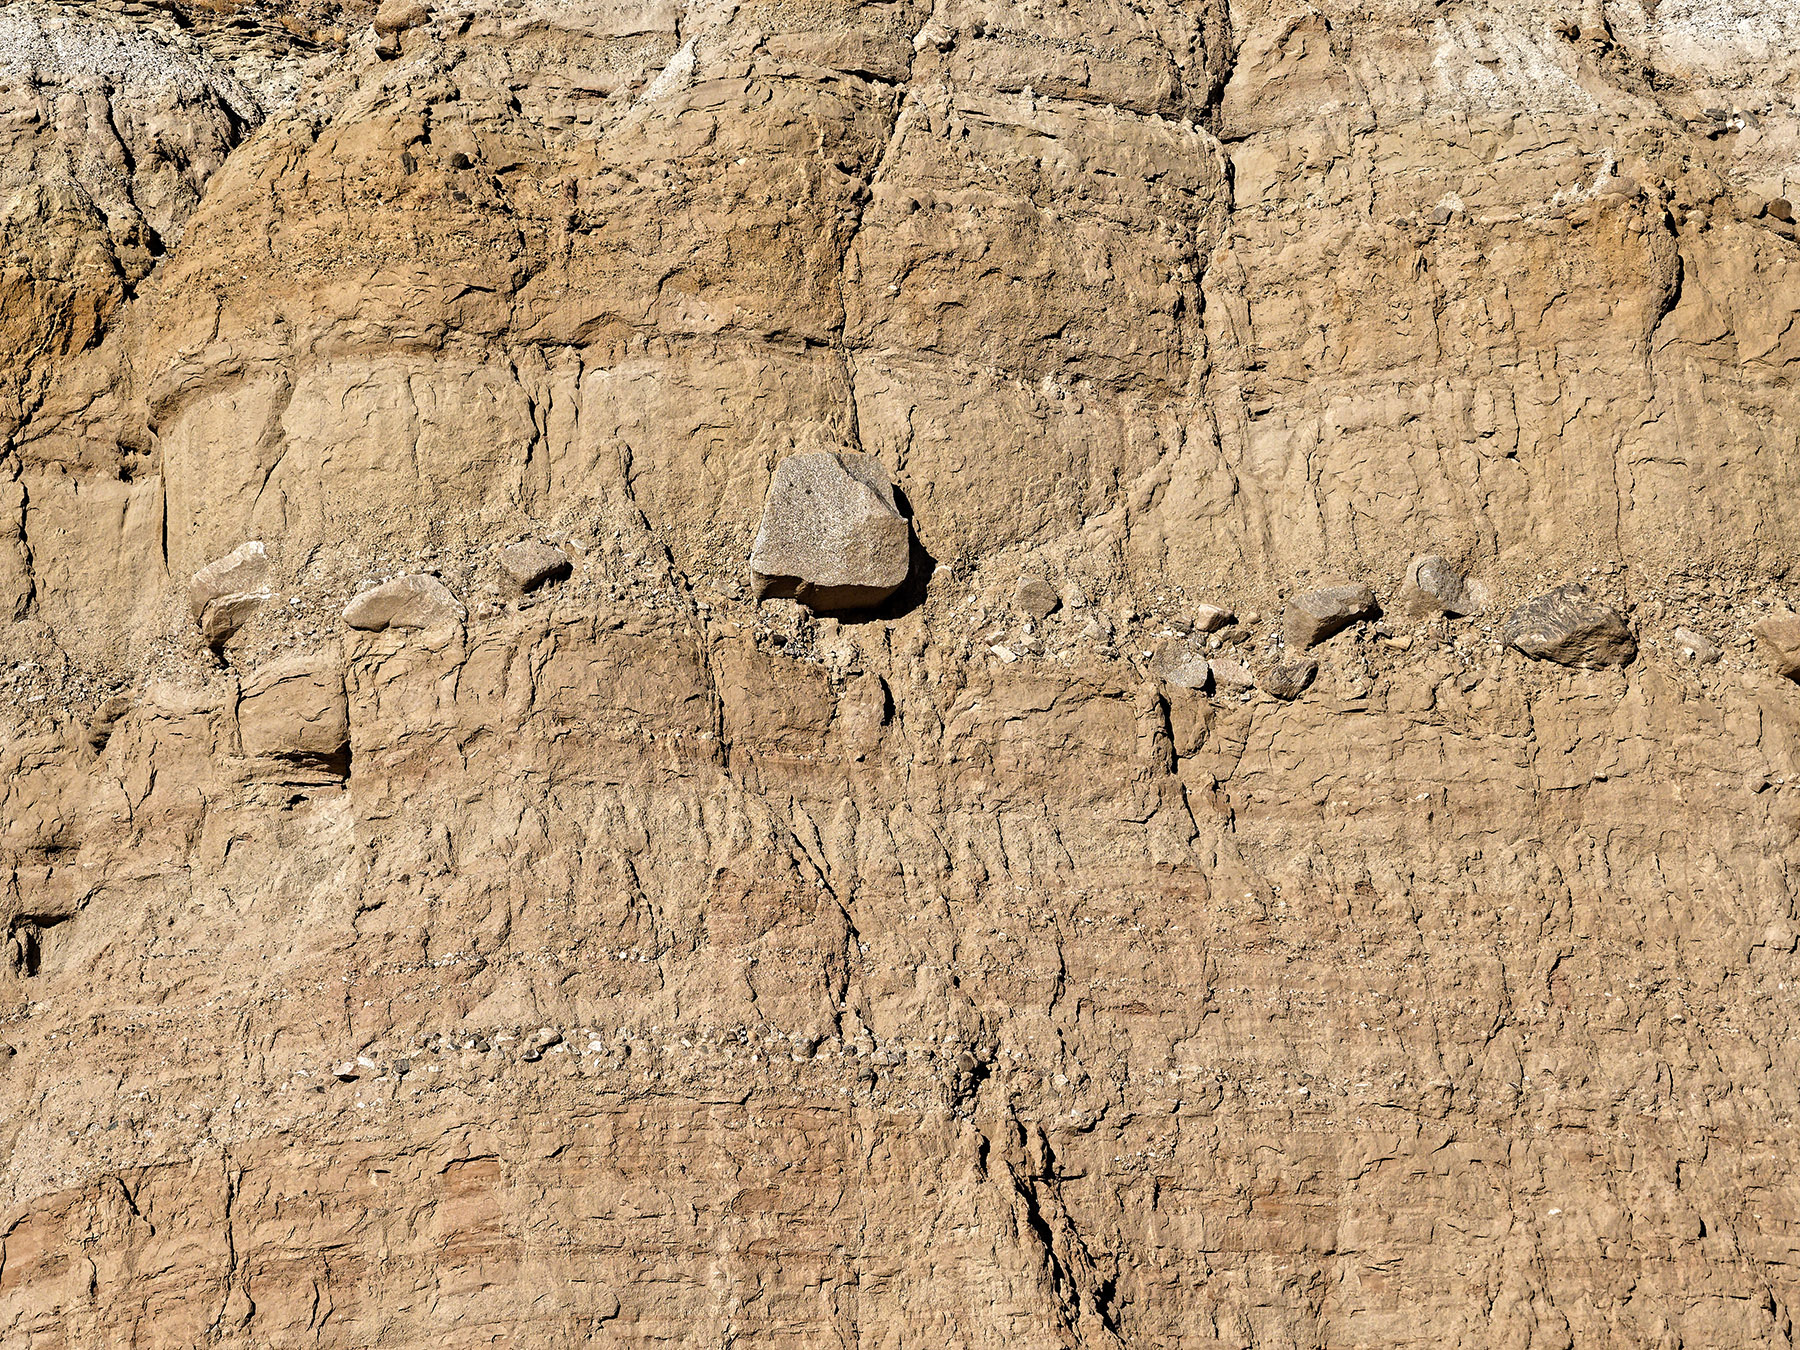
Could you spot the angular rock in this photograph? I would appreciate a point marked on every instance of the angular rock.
(1287, 680)
(296, 708)
(1036, 598)
(1695, 648)
(1231, 677)
(1178, 663)
(832, 536)
(1434, 586)
(1570, 628)
(534, 563)
(1211, 618)
(226, 592)
(1317, 615)
(396, 16)
(409, 602)
(1779, 638)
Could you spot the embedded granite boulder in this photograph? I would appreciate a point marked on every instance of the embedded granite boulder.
(534, 563)
(226, 592)
(832, 534)
(414, 601)
(1569, 627)
(1434, 586)
(1317, 615)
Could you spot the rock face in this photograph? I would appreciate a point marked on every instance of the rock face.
(296, 708)
(1570, 628)
(832, 535)
(641, 966)
(1779, 638)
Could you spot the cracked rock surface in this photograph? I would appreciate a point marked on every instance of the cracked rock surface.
(582, 950)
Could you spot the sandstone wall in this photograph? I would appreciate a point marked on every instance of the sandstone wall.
(630, 964)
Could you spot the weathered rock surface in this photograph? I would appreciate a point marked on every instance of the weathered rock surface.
(832, 535)
(1287, 680)
(1434, 586)
(1316, 615)
(226, 592)
(645, 967)
(1778, 636)
(1571, 628)
(1180, 663)
(534, 563)
(415, 601)
(296, 708)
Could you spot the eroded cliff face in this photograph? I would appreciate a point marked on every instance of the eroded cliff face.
(623, 962)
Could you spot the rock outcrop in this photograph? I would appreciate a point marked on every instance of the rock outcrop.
(832, 535)
(1316, 615)
(1569, 627)
(618, 954)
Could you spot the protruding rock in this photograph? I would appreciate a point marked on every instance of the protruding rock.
(396, 16)
(1317, 615)
(1231, 677)
(415, 601)
(534, 563)
(1572, 629)
(1287, 680)
(1434, 586)
(1178, 663)
(832, 536)
(296, 708)
(225, 593)
(1036, 598)
(1695, 648)
(1211, 618)
(1779, 637)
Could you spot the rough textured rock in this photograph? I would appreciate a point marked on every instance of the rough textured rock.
(1179, 663)
(1211, 618)
(534, 563)
(226, 592)
(1571, 628)
(646, 966)
(296, 708)
(1779, 638)
(1434, 586)
(832, 535)
(1036, 598)
(1287, 680)
(1316, 615)
(415, 601)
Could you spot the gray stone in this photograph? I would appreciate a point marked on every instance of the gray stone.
(1695, 648)
(226, 615)
(534, 563)
(1231, 677)
(1572, 629)
(1287, 680)
(1178, 663)
(1036, 598)
(1210, 618)
(832, 536)
(226, 592)
(1317, 615)
(1434, 586)
(1779, 638)
(415, 601)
